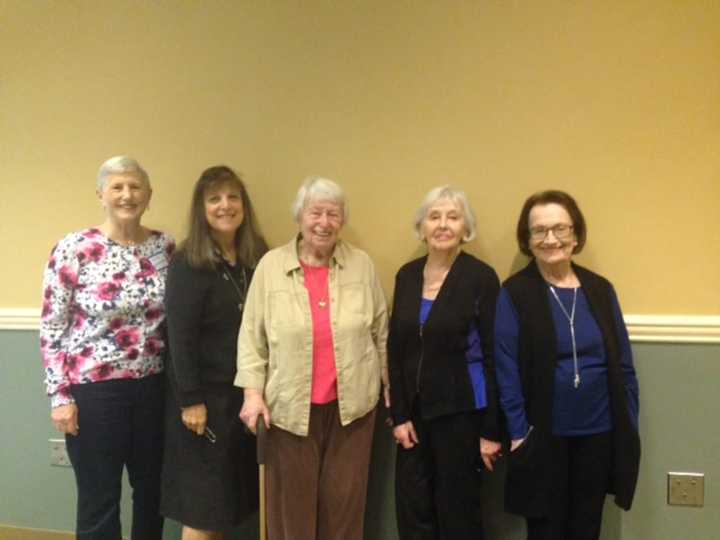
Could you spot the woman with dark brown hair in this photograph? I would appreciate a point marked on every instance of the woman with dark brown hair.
(209, 474)
(566, 379)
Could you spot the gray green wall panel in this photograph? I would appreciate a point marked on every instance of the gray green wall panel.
(679, 399)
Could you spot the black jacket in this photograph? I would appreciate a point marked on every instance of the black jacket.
(527, 489)
(434, 366)
(203, 318)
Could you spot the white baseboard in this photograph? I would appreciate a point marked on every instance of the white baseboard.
(9, 532)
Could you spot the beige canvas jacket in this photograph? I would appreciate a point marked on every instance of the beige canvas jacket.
(276, 337)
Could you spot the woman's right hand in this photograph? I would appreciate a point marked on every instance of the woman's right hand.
(405, 435)
(254, 406)
(65, 418)
(194, 418)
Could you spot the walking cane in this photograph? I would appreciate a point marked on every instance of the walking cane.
(261, 435)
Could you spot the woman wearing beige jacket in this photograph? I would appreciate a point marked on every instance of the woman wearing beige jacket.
(311, 358)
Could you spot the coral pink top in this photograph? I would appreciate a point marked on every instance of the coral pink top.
(324, 381)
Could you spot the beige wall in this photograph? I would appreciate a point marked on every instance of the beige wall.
(617, 102)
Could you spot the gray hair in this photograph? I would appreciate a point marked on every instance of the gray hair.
(120, 165)
(317, 188)
(458, 197)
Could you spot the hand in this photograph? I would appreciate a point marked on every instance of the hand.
(195, 418)
(490, 452)
(65, 418)
(405, 435)
(254, 406)
(515, 443)
(386, 395)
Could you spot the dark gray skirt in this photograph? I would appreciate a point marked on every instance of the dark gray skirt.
(205, 485)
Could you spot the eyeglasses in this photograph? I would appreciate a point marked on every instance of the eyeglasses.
(210, 435)
(561, 231)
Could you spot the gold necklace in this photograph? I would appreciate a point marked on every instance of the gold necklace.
(311, 273)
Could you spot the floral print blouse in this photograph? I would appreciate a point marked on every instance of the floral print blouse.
(102, 314)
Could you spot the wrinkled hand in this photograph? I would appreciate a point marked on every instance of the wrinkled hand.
(490, 452)
(254, 406)
(515, 443)
(405, 435)
(195, 418)
(65, 418)
(386, 395)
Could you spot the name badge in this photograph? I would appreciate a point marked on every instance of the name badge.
(159, 260)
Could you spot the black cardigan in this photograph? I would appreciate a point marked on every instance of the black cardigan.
(528, 474)
(467, 296)
(203, 321)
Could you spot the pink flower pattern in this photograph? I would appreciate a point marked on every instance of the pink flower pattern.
(96, 323)
(94, 252)
(127, 337)
(108, 290)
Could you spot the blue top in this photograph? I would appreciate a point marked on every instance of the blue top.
(425, 306)
(584, 410)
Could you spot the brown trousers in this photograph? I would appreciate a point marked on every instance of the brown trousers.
(316, 485)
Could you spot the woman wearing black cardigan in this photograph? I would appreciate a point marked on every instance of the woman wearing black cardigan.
(440, 357)
(566, 378)
(209, 471)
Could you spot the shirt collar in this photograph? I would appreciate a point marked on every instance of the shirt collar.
(291, 262)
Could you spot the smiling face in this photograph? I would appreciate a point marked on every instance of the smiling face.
(125, 197)
(551, 248)
(443, 227)
(224, 209)
(320, 224)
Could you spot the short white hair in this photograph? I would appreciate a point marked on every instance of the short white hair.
(317, 188)
(458, 197)
(120, 165)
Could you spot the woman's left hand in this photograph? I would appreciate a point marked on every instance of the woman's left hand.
(490, 451)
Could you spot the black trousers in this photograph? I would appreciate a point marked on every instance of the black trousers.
(437, 483)
(581, 474)
(120, 426)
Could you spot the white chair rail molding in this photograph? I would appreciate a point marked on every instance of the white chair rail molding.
(642, 328)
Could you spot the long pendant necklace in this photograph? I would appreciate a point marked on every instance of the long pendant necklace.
(227, 274)
(571, 319)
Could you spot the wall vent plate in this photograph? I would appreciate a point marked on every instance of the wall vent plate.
(686, 489)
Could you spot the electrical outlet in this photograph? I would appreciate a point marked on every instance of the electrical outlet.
(686, 489)
(58, 453)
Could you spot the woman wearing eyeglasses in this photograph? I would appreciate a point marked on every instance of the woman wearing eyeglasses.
(566, 380)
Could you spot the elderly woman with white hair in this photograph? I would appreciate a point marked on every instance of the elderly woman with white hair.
(102, 344)
(311, 359)
(443, 394)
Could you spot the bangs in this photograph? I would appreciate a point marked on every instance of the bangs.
(216, 184)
